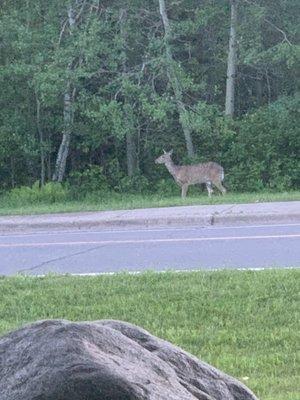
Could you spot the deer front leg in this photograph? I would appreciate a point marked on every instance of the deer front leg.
(184, 189)
(209, 188)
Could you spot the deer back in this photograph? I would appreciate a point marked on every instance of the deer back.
(199, 173)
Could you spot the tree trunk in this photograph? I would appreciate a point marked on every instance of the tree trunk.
(268, 86)
(12, 172)
(173, 79)
(68, 115)
(49, 169)
(231, 63)
(41, 139)
(61, 160)
(131, 155)
(259, 90)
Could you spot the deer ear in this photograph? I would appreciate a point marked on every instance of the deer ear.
(164, 151)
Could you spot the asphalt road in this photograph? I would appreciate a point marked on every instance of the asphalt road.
(143, 249)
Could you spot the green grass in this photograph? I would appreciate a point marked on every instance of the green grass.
(246, 323)
(121, 202)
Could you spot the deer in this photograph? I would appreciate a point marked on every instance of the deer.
(210, 173)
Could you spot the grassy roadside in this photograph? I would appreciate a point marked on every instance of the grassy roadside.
(119, 202)
(245, 323)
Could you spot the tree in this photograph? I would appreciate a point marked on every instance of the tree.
(173, 78)
(128, 117)
(231, 63)
(68, 110)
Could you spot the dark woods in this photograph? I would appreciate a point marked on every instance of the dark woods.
(92, 91)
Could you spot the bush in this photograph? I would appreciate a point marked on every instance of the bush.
(52, 192)
(90, 180)
(167, 187)
(135, 184)
(264, 151)
(258, 151)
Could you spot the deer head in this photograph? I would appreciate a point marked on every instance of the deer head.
(164, 158)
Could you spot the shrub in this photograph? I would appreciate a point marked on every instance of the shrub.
(264, 151)
(52, 192)
(136, 184)
(90, 180)
(258, 151)
(167, 187)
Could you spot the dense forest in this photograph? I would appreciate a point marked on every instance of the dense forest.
(92, 91)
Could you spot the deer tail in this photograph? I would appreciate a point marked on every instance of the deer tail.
(222, 174)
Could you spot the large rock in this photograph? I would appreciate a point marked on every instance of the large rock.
(105, 360)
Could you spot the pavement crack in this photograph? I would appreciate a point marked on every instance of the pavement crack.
(213, 216)
(59, 259)
(227, 209)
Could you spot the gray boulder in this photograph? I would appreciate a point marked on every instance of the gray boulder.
(105, 360)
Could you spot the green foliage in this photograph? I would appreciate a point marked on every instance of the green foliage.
(87, 181)
(265, 150)
(258, 151)
(166, 187)
(49, 193)
(135, 184)
(121, 87)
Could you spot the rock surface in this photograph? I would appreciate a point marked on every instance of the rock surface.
(105, 360)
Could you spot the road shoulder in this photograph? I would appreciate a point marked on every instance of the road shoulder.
(203, 215)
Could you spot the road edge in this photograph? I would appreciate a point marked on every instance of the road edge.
(210, 219)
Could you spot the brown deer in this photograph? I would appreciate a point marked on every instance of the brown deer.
(186, 175)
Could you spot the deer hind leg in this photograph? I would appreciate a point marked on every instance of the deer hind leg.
(219, 185)
(209, 188)
(184, 189)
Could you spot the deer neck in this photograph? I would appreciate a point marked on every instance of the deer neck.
(172, 168)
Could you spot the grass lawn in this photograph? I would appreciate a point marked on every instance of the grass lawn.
(121, 202)
(246, 323)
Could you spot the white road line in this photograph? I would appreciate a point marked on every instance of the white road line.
(164, 271)
(250, 226)
(140, 241)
